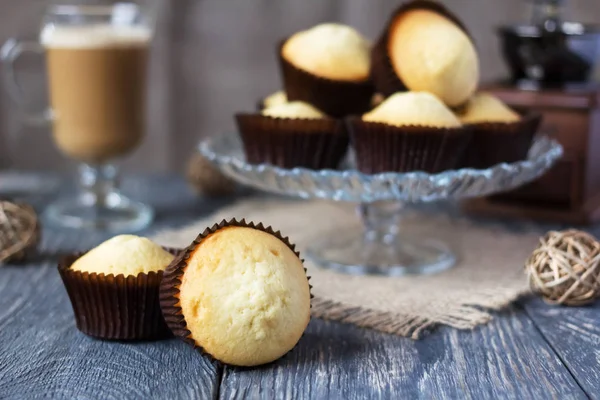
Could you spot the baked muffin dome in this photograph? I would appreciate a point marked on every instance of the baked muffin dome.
(124, 254)
(275, 99)
(431, 53)
(330, 50)
(244, 296)
(293, 109)
(484, 107)
(413, 108)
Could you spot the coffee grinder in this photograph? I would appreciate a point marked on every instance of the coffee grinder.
(551, 63)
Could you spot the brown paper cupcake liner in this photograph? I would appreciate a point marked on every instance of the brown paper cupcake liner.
(495, 143)
(383, 75)
(385, 148)
(290, 143)
(169, 287)
(115, 307)
(335, 98)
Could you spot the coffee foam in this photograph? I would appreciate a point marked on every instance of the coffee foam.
(94, 36)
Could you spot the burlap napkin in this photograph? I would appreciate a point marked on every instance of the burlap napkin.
(489, 274)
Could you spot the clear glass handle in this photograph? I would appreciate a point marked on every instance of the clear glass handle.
(10, 53)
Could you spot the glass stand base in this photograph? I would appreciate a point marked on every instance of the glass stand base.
(116, 214)
(357, 253)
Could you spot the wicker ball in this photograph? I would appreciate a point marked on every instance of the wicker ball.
(19, 231)
(565, 268)
(207, 179)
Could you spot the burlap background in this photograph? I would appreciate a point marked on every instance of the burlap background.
(488, 276)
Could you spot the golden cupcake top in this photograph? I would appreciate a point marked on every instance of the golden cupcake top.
(484, 107)
(244, 296)
(124, 254)
(275, 99)
(293, 109)
(413, 108)
(431, 53)
(330, 50)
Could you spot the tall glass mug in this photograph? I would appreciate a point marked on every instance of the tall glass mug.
(96, 57)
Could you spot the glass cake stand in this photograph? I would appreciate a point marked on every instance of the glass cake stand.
(380, 247)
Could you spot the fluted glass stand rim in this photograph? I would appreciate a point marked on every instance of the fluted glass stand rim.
(381, 247)
(349, 185)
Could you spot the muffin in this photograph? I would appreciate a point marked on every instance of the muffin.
(413, 108)
(238, 293)
(293, 109)
(484, 107)
(500, 134)
(426, 48)
(274, 99)
(293, 134)
(409, 131)
(328, 66)
(113, 288)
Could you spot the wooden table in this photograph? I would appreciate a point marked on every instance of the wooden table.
(529, 351)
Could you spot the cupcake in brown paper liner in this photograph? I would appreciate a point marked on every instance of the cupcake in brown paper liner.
(500, 134)
(274, 99)
(408, 132)
(113, 288)
(279, 97)
(328, 66)
(424, 47)
(239, 294)
(291, 135)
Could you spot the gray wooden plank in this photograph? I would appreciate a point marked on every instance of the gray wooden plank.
(43, 355)
(574, 334)
(505, 359)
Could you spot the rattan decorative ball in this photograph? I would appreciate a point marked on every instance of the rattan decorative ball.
(565, 268)
(19, 231)
(207, 179)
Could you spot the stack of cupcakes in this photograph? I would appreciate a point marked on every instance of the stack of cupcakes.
(325, 73)
(238, 293)
(407, 103)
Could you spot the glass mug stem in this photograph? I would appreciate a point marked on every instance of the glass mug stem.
(98, 183)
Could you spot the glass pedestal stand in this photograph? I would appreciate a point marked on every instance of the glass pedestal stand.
(381, 247)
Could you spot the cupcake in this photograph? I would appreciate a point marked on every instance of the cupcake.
(238, 293)
(113, 288)
(328, 66)
(426, 48)
(274, 99)
(500, 134)
(409, 131)
(485, 107)
(293, 134)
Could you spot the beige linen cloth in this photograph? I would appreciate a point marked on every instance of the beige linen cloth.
(488, 276)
